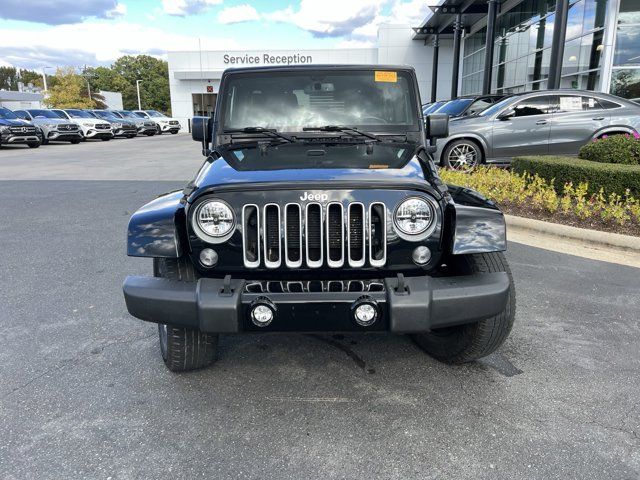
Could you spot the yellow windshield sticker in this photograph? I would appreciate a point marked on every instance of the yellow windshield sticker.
(378, 166)
(381, 76)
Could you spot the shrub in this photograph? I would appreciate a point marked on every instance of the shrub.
(535, 193)
(624, 149)
(559, 171)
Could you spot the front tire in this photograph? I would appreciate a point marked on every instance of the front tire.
(34, 144)
(183, 349)
(463, 155)
(465, 343)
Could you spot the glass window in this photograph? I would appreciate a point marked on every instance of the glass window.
(571, 56)
(590, 103)
(629, 11)
(533, 106)
(627, 50)
(575, 18)
(607, 104)
(594, 14)
(625, 83)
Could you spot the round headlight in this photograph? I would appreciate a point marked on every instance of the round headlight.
(414, 216)
(214, 218)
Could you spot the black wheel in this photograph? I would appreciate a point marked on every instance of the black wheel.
(150, 134)
(132, 136)
(173, 132)
(466, 343)
(34, 144)
(462, 155)
(75, 142)
(158, 130)
(44, 141)
(105, 139)
(183, 348)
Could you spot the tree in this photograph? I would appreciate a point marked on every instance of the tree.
(70, 91)
(154, 88)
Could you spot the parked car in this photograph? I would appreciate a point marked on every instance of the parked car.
(145, 127)
(468, 105)
(52, 127)
(91, 126)
(14, 130)
(339, 224)
(555, 122)
(120, 127)
(165, 123)
(428, 108)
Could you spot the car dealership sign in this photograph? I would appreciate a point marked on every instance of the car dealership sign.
(266, 59)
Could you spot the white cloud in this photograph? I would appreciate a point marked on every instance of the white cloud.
(238, 14)
(119, 11)
(182, 8)
(355, 20)
(96, 43)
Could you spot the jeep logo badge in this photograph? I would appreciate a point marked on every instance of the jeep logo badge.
(318, 197)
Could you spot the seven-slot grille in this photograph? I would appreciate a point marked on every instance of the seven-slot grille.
(314, 235)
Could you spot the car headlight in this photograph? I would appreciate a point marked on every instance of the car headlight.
(414, 216)
(116, 125)
(51, 125)
(4, 128)
(213, 218)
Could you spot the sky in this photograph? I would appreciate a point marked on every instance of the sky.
(52, 33)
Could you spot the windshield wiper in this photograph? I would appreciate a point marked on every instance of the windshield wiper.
(342, 128)
(267, 132)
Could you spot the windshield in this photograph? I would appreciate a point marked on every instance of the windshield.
(431, 108)
(140, 115)
(79, 114)
(295, 156)
(7, 114)
(495, 108)
(60, 114)
(155, 113)
(455, 107)
(126, 113)
(105, 114)
(290, 101)
(43, 113)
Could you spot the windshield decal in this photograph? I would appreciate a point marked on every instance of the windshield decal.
(389, 77)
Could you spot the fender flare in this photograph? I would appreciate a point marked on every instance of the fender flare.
(477, 224)
(613, 128)
(158, 229)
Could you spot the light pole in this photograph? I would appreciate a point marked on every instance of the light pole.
(138, 90)
(44, 78)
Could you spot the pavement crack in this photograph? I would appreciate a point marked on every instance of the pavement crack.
(359, 361)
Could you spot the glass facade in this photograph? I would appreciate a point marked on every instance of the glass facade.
(522, 50)
(625, 77)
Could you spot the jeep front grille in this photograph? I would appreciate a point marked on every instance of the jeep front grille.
(314, 235)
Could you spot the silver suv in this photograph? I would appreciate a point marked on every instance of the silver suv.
(549, 122)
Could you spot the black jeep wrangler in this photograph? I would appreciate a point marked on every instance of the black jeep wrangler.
(319, 209)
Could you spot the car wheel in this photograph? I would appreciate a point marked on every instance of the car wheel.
(75, 142)
(34, 144)
(173, 132)
(183, 348)
(465, 343)
(158, 130)
(44, 141)
(105, 139)
(462, 155)
(131, 136)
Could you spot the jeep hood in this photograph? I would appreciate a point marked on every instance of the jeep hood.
(401, 169)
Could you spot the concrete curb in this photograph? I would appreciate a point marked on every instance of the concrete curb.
(626, 242)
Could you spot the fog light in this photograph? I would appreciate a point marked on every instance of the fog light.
(208, 257)
(365, 311)
(421, 255)
(262, 311)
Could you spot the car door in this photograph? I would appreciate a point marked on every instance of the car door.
(576, 119)
(523, 128)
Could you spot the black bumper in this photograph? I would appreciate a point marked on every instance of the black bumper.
(424, 304)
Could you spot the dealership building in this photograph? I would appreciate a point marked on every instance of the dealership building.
(462, 48)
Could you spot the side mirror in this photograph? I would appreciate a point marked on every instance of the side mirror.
(201, 129)
(507, 114)
(437, 125)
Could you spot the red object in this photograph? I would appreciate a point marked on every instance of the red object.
(209, 88)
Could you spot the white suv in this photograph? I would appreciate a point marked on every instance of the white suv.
(165, 124)
(90, 125)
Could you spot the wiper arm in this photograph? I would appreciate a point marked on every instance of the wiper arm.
(267, 132)
(342, 128)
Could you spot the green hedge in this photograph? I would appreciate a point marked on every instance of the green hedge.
(616, 149)
(612, 177)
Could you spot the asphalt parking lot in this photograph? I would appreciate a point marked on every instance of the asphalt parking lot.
(84, 392)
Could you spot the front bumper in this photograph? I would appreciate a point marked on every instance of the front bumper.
(10, 139)
(215, 306)
(144, 129)
(64, 136)
(165, 127)
(94, 133)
